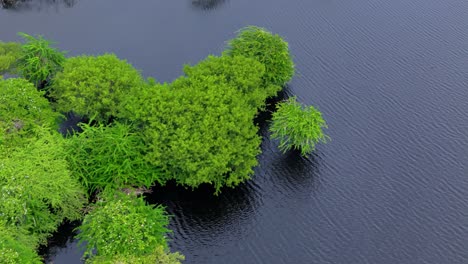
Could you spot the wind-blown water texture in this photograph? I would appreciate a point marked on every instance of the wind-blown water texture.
(391, 78)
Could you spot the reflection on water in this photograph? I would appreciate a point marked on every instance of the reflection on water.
(24, 5)
(208, 4)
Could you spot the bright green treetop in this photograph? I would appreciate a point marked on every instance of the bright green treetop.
(94, 86)
(297, 127)
(22, 108)
(38, 192)
(201, 130)
(267, 48)
(16, 246)
(123, 225)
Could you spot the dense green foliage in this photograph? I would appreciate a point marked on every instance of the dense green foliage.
(124, 226)
(22, 108)
(9, 54)
(110, 157)
(242, 73)
(95, 86)
(39, 62)
(159, 256)
(38, 192)
(267, 48)
(16, 246)
(200, 130)
(297, 127)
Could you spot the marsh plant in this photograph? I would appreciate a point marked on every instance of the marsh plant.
(16, 246)
(94, 86)
(9, 54)
(110, 157)
(22, 109)
(38, 191)
(297, 127)
(39, 61)
(269, 49)
(123, 225)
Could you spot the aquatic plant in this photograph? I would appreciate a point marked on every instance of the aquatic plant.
(22, 109)
(123, 225)
(297, 127)
(245, 74)
(159, 256)
(9, 54)
(94, 86)
(200, 130)
(16, 246)
(38, 191)
(39, 62)
(267, 48)
(110, 157)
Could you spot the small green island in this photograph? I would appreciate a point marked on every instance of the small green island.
(137, 133)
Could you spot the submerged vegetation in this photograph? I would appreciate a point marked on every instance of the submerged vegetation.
(198, 129)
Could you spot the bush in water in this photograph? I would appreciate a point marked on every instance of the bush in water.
(39, 62)
(9, 54)
(244, 74)
(94, 86)
(200, 130)
(16, 246)
(267, 48)
(38, 192)
(159, 256)
(112, 157)
(297, 127)
(123, 225)
(22, 109)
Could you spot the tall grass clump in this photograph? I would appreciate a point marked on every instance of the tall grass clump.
(39, 62)
(297, 127)
(110, 157)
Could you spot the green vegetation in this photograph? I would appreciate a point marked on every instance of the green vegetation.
(124, 226)
(94, 86)
(9, 54)
(110, 157)
(267, 48)
(38, 192)
(39, 62)
(158, 256)
(199, 129)
(297, 127)
(16, 246)
(22, 110)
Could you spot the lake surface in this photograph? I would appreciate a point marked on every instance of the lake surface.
(391, 78)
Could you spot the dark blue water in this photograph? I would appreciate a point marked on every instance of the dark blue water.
(391, 78)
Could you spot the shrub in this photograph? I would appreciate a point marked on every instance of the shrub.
(39, 62)
(16, 246)
(94, 86)
(269, 49)
(38, 192)
(123, 225)
(112, 157)
(22, 108)
(200, 130)
(9, 54)
(245, 74)
(297, 127)
(159, 256)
